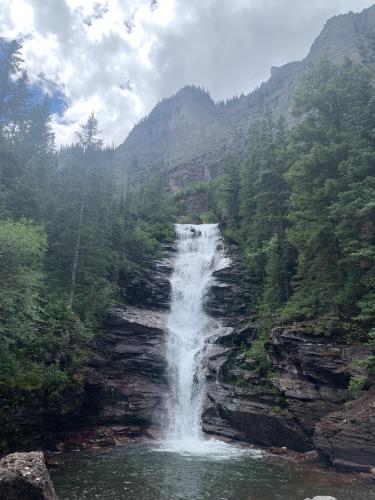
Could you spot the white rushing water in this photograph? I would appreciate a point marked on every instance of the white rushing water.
(199, 253)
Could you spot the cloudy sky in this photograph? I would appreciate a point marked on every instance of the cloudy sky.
(119, 57)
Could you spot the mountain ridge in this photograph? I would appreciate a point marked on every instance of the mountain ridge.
(188, 134)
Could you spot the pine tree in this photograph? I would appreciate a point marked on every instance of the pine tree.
(331, 104)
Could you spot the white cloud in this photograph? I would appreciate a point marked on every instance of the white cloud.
(119, 57)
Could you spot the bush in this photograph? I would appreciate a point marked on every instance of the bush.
(356, 384)
(257, 352)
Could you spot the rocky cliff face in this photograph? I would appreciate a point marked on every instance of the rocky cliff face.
(312, 371)
(126, 378)
(346, 438)
(165, 138)
(241, 403)
(300, 400)
(188, 134)
(120, 392)
(131, 366)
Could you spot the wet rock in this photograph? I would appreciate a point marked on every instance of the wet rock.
(243, 419)
(307, 456)
(228, 293)
(346, 438)
(312, 371)
(132, 344)
(306, 380)
(243, 411)
(240, 405)
(24, 476)
(151, 288)
(101, 437)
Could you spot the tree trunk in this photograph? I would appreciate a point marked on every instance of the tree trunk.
(76, 252)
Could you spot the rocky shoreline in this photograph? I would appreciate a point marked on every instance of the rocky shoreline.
(26, 475)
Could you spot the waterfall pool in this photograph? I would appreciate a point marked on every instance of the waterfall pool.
(148, 471)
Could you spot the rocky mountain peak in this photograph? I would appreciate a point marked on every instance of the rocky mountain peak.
(348, 35)
(191, 92)
(188, 135)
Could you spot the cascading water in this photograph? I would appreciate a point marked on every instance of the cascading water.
(189, 328)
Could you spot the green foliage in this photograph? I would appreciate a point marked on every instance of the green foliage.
(32, 340)
(192, 188)
(279, 259)
(332, 180)
(74, 232)
(369, 362)
(301, 206)
(356, 384)
(230, 191)
(22, 249)
(279, 410)
(258, 353)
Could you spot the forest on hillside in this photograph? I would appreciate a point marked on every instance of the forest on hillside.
(73, 234)
(301, 207)
(76, 229)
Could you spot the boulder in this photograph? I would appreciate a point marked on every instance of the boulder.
(24, 476)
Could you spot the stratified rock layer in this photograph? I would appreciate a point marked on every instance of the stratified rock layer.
(346, 438)
(312, 371)
(24, 476)
(306, 381)
(131, 364)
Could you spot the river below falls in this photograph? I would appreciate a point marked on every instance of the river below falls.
(147, 471)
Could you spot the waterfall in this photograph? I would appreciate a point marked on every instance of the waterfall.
(189, 327)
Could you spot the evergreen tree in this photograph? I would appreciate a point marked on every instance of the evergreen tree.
(331, 102)
(231, 192)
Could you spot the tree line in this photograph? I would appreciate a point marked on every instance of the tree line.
(301, 206)
(76, 229)
(74, 232)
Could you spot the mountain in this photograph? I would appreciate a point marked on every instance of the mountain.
(188, 134)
